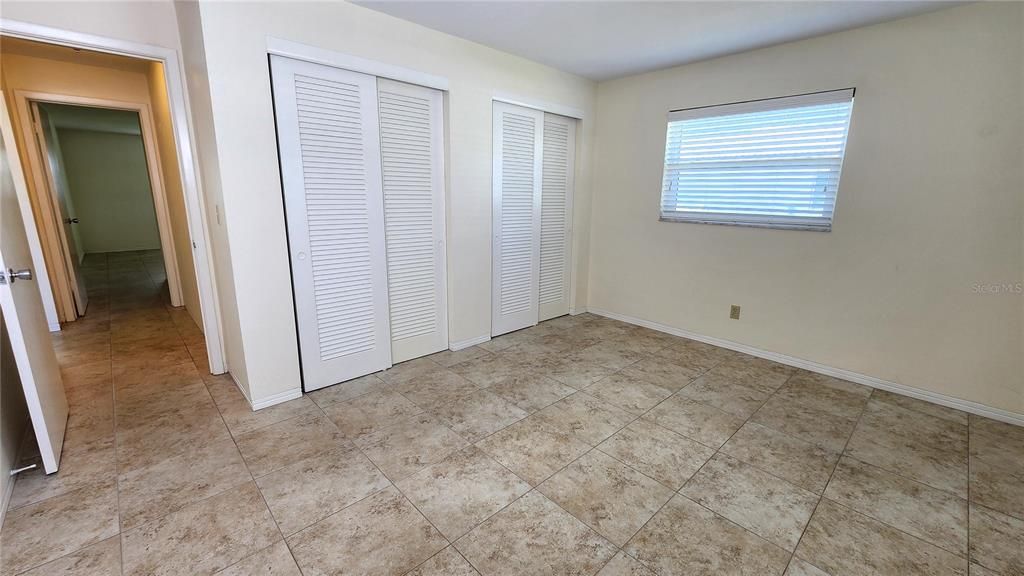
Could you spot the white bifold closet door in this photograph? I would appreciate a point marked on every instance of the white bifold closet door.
(329, 142)
(516, 219)
(412, 160)
(556, 215)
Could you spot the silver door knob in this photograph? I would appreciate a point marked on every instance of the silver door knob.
(25, 274)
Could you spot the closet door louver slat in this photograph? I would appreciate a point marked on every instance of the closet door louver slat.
(556, 214)
(517, 176)
(329, 144)
(412, 153)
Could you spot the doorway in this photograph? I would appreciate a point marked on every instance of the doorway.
(104, 185)
(61, 72)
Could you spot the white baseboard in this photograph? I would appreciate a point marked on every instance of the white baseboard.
(577, 311)
(873, 382)
(278, 398)
(462, 344)
(268, 401)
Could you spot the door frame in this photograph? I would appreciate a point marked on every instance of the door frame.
(53, 238)
(195, 207)
(57, 302)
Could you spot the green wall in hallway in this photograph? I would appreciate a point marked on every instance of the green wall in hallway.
(109, 183)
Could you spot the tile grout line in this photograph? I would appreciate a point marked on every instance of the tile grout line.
(113, 395)
(886, 523)
(524, 480)
(393, 483)
(591, 449)
(692, 476)
(853, 430)
(573, 461)
(166, 306)
(117, 492)
(248, 470)
(841, 455)
(473, 445)
(117, 461)
(113, 399)
(969, 459)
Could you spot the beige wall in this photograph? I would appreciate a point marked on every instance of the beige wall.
(173, 190)
(54, 73)
(150, 22)
(109, 184)
(235, 37)
(929, 208)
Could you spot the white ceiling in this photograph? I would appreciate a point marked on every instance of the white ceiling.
(603, 40)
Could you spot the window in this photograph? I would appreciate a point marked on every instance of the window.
(771, 163)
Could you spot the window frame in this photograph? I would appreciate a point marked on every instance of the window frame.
(747, 107)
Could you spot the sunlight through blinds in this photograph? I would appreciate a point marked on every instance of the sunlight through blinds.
(773, 163)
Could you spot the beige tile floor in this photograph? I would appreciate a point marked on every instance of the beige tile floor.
(580, 446)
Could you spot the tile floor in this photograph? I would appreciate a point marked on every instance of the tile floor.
(580, 446)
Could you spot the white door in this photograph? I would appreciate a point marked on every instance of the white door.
(22, 307)
(518, 135)
(556, 215)
(57, 183)
(329, 144)
(412, 163)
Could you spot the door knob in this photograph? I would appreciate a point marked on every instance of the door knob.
(71, 220)
(11, 276)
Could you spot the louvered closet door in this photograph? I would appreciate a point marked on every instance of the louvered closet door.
(556, 215)
(518, 138)
(329, 143)
(412, 161)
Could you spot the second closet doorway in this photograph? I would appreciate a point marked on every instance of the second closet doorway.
(363, 176)
(533, 167)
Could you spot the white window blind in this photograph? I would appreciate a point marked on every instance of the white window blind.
(772, 163)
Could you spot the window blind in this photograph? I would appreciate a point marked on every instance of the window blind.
(772, 163)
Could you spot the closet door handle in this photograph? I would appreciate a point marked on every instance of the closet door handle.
(71, 220)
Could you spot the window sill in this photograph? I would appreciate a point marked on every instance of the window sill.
(777, 226)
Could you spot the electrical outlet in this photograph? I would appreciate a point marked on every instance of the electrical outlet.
(734, 312)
